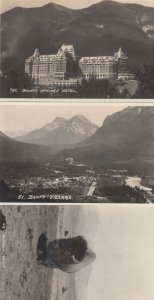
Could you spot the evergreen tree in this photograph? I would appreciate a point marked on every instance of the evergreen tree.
(146, 81)
(4, 189)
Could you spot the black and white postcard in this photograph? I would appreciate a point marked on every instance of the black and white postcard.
(76, 252)
(76, 153)
(77, 49)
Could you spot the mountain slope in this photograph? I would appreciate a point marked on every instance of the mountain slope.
(126, 135)
(13, 151)
(24, 29)
(3, 135)
(97, 30)
(61, 132)
(128, 125)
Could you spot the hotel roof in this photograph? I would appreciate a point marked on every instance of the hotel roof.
(93, 59)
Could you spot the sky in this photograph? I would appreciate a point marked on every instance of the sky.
(25, 117)
(124, 245)
(75, 4)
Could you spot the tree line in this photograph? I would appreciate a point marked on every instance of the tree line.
(13, 84)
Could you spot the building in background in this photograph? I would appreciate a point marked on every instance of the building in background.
(65, 69)
(110, 67)
(99, 67)
(122, 65)
(55, 69)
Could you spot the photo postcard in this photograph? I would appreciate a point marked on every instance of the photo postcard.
(76, 252)
(77, 49)
(76, 153)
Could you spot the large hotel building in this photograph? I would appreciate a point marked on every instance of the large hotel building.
(65, 69)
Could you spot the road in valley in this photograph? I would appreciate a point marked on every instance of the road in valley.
(88, 191)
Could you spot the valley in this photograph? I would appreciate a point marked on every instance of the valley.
(74, 160)
(69, 184)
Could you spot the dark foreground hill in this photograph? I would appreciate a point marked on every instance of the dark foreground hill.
(97, 30)
(13, 151)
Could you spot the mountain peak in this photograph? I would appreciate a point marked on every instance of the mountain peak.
(62, 131)
(56, 6)
(56, 123)
(58, 119)
(108, 3)
(80, 118)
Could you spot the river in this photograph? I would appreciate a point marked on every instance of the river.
(136, 182)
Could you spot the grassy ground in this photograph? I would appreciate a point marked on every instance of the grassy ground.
(21, 277)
